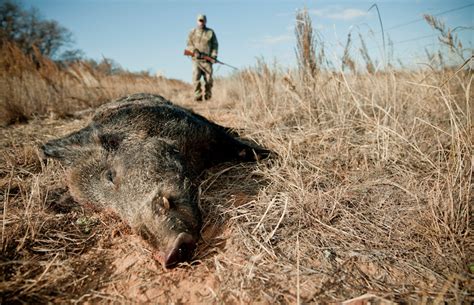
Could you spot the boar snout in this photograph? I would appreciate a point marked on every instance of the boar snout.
(181, 250)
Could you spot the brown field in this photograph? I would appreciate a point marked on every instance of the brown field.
(371, 191)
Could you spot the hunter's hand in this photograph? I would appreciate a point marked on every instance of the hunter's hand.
(214, 59)
(197, 53)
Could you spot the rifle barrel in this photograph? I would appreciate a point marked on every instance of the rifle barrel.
(223, 63)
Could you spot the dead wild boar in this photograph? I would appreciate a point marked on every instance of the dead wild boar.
(140, 156)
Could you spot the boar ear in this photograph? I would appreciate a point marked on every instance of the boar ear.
(254, 153)
(68, 148)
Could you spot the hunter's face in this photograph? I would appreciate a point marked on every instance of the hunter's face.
(201, 23)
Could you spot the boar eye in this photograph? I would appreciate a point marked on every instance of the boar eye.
(144, 232)
(110, 175)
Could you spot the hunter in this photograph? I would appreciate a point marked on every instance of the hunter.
(202, 42)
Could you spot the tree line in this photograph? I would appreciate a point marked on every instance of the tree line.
(33, 34)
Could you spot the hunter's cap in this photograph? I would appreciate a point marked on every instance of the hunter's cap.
(201, 17)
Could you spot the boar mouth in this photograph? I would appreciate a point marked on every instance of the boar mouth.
(182, 250)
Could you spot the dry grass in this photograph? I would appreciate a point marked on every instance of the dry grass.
(34, 87)
(371, 192)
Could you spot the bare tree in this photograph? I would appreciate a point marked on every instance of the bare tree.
(28, 30)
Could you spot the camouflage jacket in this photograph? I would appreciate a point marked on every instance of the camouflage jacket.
(204, 40)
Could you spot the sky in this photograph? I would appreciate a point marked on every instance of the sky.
(151, 35)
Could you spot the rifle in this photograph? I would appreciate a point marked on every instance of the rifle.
(208, 58)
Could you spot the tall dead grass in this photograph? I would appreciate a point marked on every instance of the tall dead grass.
(371, 192)
(35, 86)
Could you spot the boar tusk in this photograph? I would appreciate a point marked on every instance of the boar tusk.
(166, 203)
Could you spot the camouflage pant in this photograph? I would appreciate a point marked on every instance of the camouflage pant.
(202, 69)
